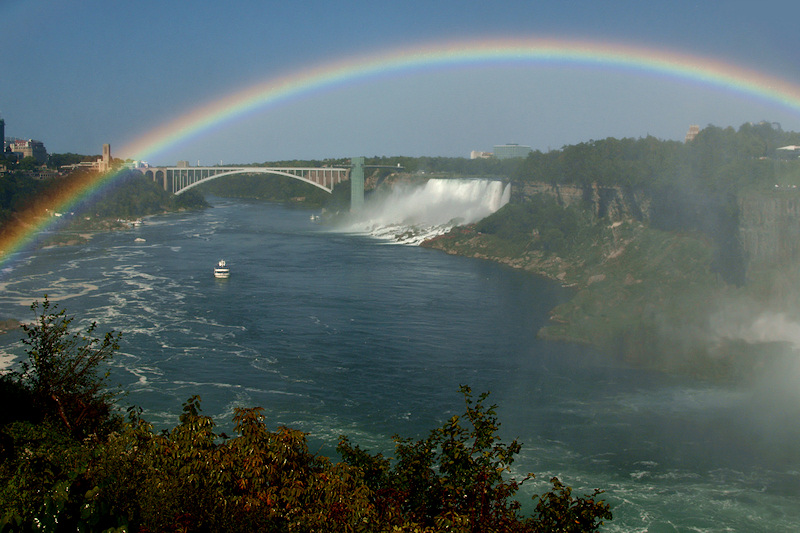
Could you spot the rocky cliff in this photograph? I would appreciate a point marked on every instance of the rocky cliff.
(615, 203)
(649, 282)
(769, 221)
(769, 226)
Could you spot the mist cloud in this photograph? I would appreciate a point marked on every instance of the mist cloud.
(411, 214)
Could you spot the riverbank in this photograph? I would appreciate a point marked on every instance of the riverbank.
(81, 231)
(645, 296)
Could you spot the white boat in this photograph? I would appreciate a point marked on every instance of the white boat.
(222, 270)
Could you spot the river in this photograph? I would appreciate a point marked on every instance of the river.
(342, 333)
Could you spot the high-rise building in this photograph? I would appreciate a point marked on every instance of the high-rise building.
(29, 148)
(3, 133)
(510, 151)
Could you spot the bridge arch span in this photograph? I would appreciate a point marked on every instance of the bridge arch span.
(179, 179)
(254, 171)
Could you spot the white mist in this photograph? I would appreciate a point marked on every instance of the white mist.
(410, 214)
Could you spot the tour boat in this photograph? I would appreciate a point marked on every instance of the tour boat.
(222, 270)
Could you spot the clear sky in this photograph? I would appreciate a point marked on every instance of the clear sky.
(79, 74)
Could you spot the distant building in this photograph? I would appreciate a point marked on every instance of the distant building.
(480, 155)
(22, 147)
(104, 163)
(100, 165)
(29, 148)
(510, 151)
(788, 152)
(692, 133)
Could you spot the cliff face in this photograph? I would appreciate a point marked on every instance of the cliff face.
(769, 221)
(616, 203)
(769, 226)
(647, 284)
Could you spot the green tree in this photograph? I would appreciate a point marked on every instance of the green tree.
(193, 479)
(559, 511)
(28, 163)
(55, 161)
(63, 370)
(54, 409)
(457, 479)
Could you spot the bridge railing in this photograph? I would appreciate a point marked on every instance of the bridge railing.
(179, 179)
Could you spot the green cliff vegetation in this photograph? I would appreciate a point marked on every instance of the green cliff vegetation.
(132, 196)
(16, 192)
(128, 196)
(69, 462)
(648, 234)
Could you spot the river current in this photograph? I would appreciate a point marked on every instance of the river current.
(342, 333)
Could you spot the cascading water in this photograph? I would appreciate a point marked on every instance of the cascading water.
(410, 214)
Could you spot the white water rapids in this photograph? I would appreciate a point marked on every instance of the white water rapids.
(410, 214)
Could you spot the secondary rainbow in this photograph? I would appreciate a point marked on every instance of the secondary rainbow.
(304, 83)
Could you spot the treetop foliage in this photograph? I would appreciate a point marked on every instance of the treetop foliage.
(61, 375)
(718, 159)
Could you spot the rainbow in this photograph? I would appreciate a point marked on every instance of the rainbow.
(275, 92)
(278, 91)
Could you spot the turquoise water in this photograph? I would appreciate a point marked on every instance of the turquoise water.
(337, 333)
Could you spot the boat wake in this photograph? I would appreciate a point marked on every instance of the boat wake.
(411, 214)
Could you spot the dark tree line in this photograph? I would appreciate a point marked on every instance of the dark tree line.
(129, 195)
(133, 195)
(16, 192)
(265, 187)
(717, 160)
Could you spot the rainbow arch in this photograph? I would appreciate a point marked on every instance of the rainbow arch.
(278, 91)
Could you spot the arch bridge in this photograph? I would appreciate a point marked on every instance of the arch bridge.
(178, 179)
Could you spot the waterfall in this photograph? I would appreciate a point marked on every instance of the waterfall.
(410, 214)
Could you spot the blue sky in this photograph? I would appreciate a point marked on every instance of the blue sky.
(78, 74)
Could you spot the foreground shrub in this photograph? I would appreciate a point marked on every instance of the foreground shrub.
(63, 379)
(457, 479)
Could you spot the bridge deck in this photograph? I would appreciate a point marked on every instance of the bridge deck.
(179, 179)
